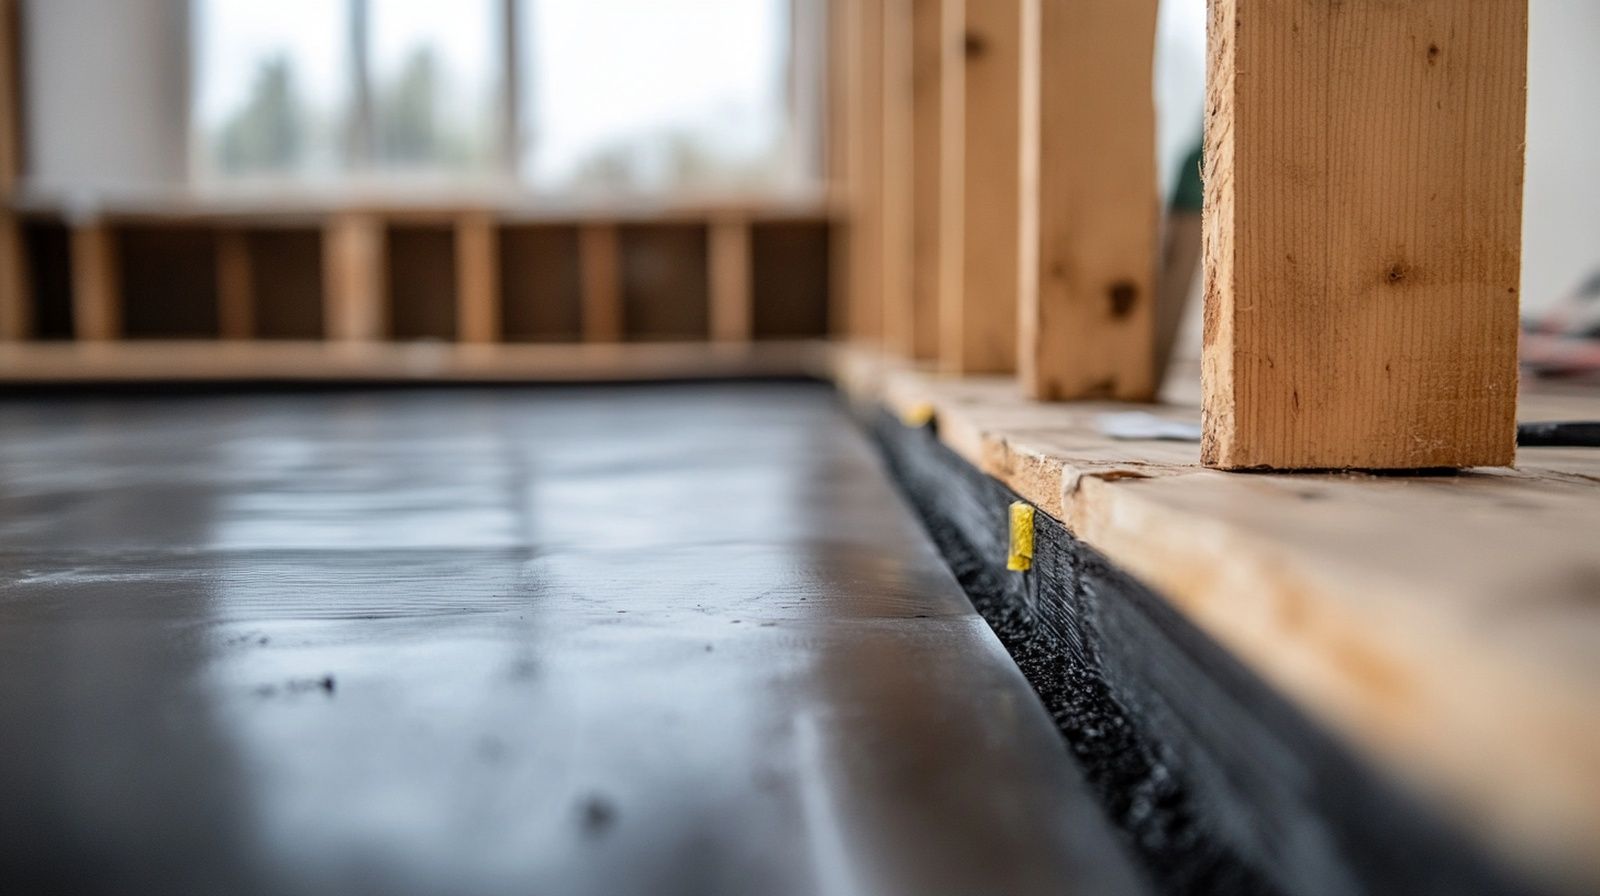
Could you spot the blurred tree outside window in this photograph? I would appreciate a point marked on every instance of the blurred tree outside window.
(688, 95)
(270, 89)
(633, 97)
(435, 85)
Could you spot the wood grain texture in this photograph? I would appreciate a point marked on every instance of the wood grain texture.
(866, 304)
(477, 278)
(841, 126)
(1460, 652)
(356, 291)
(1086, 320)
(732, 304)
(978, 301)
(840, 86)
(600, 262)
(96, 282)
(898, 181)
(236, 303)
(1362, 233)
(935, 34)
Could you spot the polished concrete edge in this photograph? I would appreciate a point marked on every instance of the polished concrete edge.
(1217, 781)
(678, 640)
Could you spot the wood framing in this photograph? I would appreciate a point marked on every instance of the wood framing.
(1091, 208)
(236, 304)
(732, 308)
(96, 282)
(1363, 233)
(865, 306)
(935, 37)
(477, 245)
(15, 305)
(355, 291)
(897, 181)
(841, 127)
(601, 274)
(11, 151)
(982, 190)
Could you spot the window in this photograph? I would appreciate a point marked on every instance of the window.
(565, 96)
(688, 95)
(271, 89)
(435, 85)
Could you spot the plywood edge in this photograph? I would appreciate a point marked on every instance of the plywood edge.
(1486, 731)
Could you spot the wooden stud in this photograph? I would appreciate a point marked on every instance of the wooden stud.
(477, 278)
(96, 282)
(1090, 217)
(949, 177)
(866, 178)
(982, 187)
(897, 182)
(601, 270)
(732, 311)
(841, 126)
(236, 302)
(356, 278)
(11, 151)
(15, 292)
(935, 28)
(1362, 233)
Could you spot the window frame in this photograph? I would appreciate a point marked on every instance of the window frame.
(360, 167)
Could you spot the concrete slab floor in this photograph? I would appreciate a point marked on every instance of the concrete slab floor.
(664, 639)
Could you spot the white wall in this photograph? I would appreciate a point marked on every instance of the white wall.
(105, 89)
(1561, 196)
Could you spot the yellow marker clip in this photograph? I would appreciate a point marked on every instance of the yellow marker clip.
(918, 415)
(1021, 556)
